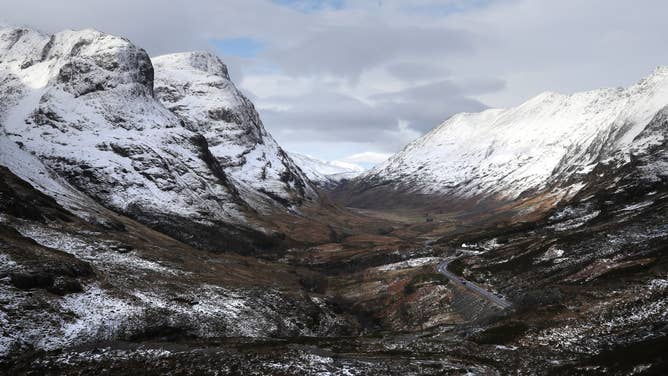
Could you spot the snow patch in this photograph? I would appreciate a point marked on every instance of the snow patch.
(99, 253)
(412, 263)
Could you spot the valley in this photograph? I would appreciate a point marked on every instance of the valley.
(149, 223)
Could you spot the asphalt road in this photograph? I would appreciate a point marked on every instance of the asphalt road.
(499, 301)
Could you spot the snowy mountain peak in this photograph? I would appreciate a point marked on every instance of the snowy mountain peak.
(204, 61)
(660, 72)
(18, 45)
(196, 87)
(544, 144)
(80, 62)
(190, 158)
(98, 58)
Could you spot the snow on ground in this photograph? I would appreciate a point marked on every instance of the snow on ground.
(487, 245)
(574, 223)
(96, 314)
(111, 310)
(213, 312)
(639, 205)
(99, 253)
(553, 254)
(412, 263)
(607, 319)
(6, 263)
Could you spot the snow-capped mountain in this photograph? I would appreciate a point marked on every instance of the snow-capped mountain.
(82, 103)
(197, 88)
(326, 173)
(548, 144)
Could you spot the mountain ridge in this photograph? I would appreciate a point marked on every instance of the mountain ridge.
(83, 103)
(543, 146)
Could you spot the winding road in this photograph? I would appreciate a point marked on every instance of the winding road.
(499, 301)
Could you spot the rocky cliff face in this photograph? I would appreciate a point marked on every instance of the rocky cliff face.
(83, 104)
(196, 87)
(547, 145)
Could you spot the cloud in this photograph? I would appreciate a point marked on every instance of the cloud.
(426, 106)
(416, 71)
(564, 46)
(325, 116)
(350, 50)
(316, 50)
(163, 27)
(388, 120)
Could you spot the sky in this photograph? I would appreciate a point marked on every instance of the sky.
(356, 80)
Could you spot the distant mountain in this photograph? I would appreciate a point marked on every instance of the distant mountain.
(326, 173)
(547, 146)
(178, 147)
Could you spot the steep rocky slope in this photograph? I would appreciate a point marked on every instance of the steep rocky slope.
(547, 145)
(326, 174)
(66, 282)
(589, 281)
(197, 88)
(82, 103)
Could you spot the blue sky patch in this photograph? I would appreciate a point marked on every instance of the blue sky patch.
(241, 47)
(311, 5)
(440, 10)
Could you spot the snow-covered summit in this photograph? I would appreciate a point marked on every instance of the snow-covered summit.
(78, 61)
(196, 87)
(547, 143)
(326, 173)
(82, 103)
(203, 61)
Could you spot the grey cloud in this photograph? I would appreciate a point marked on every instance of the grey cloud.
(301, 44)
(481, 86)
(445, 88)
(413, 71)
(159, 29)
(349, 51)
(159, 26)
(327, 116)
(566, 45)
(426, 106)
